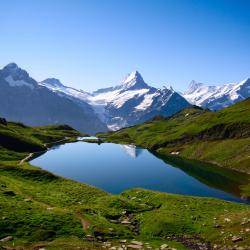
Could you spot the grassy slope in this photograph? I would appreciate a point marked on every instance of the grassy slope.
(21, 138)
(40, 209)
(221, 137)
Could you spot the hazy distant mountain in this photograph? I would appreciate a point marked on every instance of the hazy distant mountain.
(217, 97)
(23, 99)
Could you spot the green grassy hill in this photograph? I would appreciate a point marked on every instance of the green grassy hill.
(39, 210)
(21, 138)
(221, 138)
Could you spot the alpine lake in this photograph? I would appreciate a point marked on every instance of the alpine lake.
(116, 168)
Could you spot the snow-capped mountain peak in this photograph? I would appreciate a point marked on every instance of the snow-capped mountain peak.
(193, 86)
(134, 101)
(217, 97)
(17, 77)
(132, 77)
(132, 81)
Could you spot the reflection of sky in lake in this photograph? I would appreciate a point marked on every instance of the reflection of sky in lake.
(116, 168)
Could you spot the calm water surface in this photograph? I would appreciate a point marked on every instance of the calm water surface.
(115, 168)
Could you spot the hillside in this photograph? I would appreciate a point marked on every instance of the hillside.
(21, 138)
(40, 210)
(222, 137)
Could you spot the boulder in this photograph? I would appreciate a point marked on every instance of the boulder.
(236, 238)
(125, 222)
(134, 242)
(164, 246)
(6, 239)
(134, 246)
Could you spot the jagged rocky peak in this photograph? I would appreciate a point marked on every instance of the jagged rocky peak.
(16, 72)
(168, 88)
(53, 82)
(11, 66)
(134, 80)
(193, 85)
(17, 77)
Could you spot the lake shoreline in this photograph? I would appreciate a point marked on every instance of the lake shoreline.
(114, 148)
(31, 197)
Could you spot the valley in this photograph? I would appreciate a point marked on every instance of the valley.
(182, 165)
(40, 209)
(125, 125)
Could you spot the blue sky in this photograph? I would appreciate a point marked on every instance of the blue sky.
(95, 43)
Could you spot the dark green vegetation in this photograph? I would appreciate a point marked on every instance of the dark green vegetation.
(21, 138)
(41, 210)
(221, 138)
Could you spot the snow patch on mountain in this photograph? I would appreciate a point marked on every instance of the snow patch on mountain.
(17, 83)
(56, 86)
(147, 101)
(117, 97)
(130, 78)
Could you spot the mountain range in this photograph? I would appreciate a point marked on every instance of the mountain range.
(22, 99)
(131, 102)
(217, 97)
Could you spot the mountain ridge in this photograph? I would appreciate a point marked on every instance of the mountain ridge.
(22, 99)
(132, 101)
(217, 97)
(128, 103)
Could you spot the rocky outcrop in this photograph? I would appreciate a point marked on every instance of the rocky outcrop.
(3, 121)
